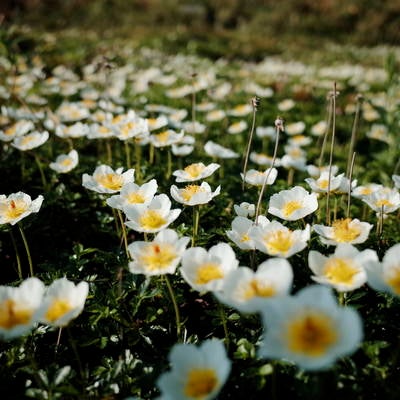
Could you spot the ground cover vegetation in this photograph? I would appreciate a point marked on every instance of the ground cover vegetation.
(177, 226)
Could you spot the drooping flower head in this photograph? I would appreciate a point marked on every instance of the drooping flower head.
(195, 172)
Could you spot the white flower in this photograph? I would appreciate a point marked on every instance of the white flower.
(157, 123)
(192, 195)
(161, 256)
(315, 171)
(295, 128)
(379, 132)
(239, 234)
(310, 329)
(322, 184)
(241, 110)
(345, 230)
(362, 191)
(198, 373)
(65, 162)
(245, 209)
(18, 306)
(131, 193)
(264, 159)
(71, 112)
(76, 130)
(30, 141)
(215, 150)
(205, 270)
(18, 206)
(166, 138)
(62, 302)
(99, 131)
(237, 127)
(293, 204)
(299, 140)
(277, 240)
(319, 128)
(258, 178)
(248, 291)
(286, 105)
(383, 201)
(215, 115)
(151, 217)
(344, 270)
(194, 127)
(195, 172)
(19, 128)
(106, 180)
(266, 131)
(385, 276)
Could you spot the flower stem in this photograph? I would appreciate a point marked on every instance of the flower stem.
(196, 218)
(28, 253)
(224, 325)
(253, 124)
(127, 154)
(175, 304)
(42, 175)
(124, 236)
(169, 164)
(138, 157)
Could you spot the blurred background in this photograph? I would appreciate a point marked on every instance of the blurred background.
(251, 28)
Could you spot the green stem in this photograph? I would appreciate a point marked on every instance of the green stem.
(76, 353)
(224, 325)
(28, 253)
(42, 175)
(175, 304)
(127, 154)
(169, 164)
(196, 218)
(246, 158)
(124, 235)
(16, 255)
(138, 156)
(109, 152)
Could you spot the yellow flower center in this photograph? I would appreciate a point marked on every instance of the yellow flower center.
(194, 170)
(366, 191)
(290, 207)
(200, 383)
(311, 334)
(323, 183)
(58, 308)
(190, 191)
(383, 202)
(135, 198)
(340, 270)
(117, 119)
(151, 219)
(111, 181)
(15, 209)
(162, 137)
(279, 242)
(393, 280)
(208, 272)
(66, 162)
(127, 128)
(26, 140)
(11, 314)
(158, 257)
(241, 108)
(10, 131)
(256, 288)
(343, 232)
(104, 130)
(245, 238)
